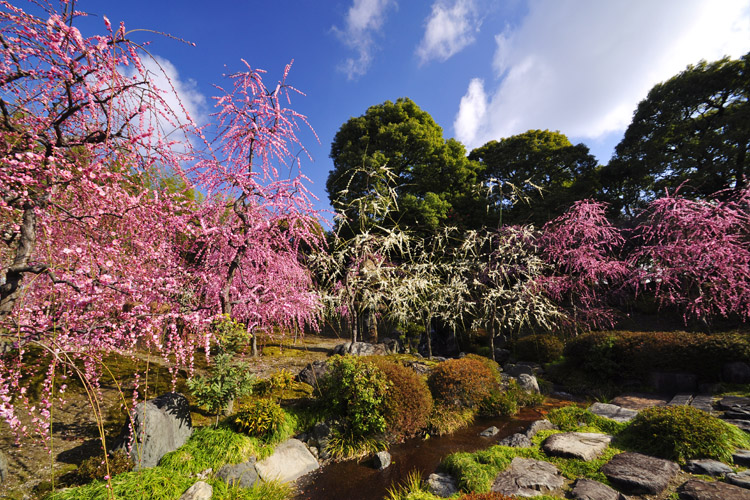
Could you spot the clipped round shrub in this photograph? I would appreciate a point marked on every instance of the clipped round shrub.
(492, 365)
(542, 348)
(461, 383)
(681, 433)
(354, 391)
(408, 402)
(259, 418)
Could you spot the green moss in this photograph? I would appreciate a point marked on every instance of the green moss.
(572, 418)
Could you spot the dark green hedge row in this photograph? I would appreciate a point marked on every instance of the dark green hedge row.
(618, 355)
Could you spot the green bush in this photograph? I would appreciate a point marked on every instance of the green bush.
(260, 418)
(408, 402)
(682, 433)
(542, 348)
(355, 391)
(226, 381)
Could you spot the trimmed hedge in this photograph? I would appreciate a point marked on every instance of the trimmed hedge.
(462, 383)
(542, 348)
(616, 355)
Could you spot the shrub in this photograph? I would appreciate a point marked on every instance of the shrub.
(540, 348)
(355, 391)
(492, 365)
(260, 418)
(95, 467)
(226, 381)
(280, 380)
(460, 383)
(682, 433)
(408, 402)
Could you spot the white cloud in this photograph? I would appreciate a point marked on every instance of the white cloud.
(582, 66)
(449, 29)
(363, 20)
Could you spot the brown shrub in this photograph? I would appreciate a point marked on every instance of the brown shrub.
(463, 383)
(408, 403)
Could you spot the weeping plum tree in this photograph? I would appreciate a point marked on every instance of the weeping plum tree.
(93, 262)
(695, 256)
(581, 245)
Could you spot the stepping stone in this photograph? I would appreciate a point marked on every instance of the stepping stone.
(613, 412)
(680, 400)
(741, 479)
(242, 475)
(639, 474)
(198, 491)
(703, 402)
(711, 468)
(583, 445)
(741, 457)
(742, 424)
(588, 489)
(517, 440)
(728, 402)
(539, 425)
(290, 460)
(528, 478)
(696, 489)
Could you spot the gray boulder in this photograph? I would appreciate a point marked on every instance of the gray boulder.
(489, 432)
(516, 440)
(361, 349)
(290, 460)
(741, 458)
(160, 425)
(528, 478)
(613, 412)
(741, 479)
(696, 489)
(243, 475)
(381, 460)
(313, 373)
(582, 445)
(528, 383)
(711, 468)
(588, 489)
(198, 491)
(737, 372)
(441, 485)
(539, 425)
(639, 474)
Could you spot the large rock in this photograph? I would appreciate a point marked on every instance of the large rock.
(528, 383)
(290, 460)
(707, 467)
(639, 474)
(539, 425)
(198, 491)
(242, 475)
(583, 445)
(361, 349)
(313, 373)
(516, 440)
(741, 458)
(160, 425)
(490, 432)
(381, 460)
(741, 479)
(588, 489)
(696, 489)
(736, 372)
(441, 485)
(613, 412)
(528, 478)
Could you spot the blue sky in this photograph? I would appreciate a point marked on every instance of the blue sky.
(484, 69)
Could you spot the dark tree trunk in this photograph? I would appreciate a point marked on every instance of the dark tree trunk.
(11, 289)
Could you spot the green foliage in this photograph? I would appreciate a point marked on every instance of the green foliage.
(226, 381)
(573, 418)
(542, 348)
(446, 419)
(260, 418)
(615, 355)
(355, 391)
(412, 488)
(682, 433)
(346, 445)
(279, 381)
(462, 383)
(539, 168)
(408, 402)
(96, 468)
(232, 335)
(211, 448)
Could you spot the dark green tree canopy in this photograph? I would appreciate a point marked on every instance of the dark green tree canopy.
(692, 129)
(535, 176)
(435, 180)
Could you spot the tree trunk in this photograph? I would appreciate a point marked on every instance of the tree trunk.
(11, 289)
(428, 333)
(371, 326)
(254, 343)
(492, 339)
